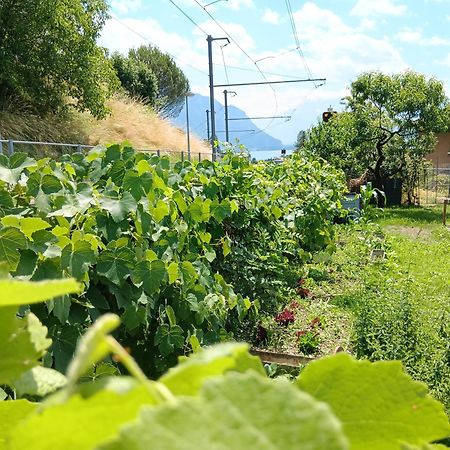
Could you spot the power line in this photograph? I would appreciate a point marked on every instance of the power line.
(145, 38)
(246, 69)
(240, 48)
(270, 82)
(185, 14)
(224, 64)
(296, 38)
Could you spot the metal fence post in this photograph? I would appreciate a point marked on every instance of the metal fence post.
(10, 147)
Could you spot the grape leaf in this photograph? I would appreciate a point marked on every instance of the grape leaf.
(119, 208)
(24, 343)
(188, 376)
(151, 274)
(200, 210)
(10, 169)
(115, 264)
(80, 423)
(18, 292)
(77, 257)
(11, 240)
(378, 404)
(39, 381)
(12, 413)
(168, 338)
(160, 211)
(236, 412)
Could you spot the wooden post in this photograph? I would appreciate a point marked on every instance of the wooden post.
(444, 212)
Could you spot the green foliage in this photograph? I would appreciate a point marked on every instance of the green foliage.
(221, 398)
(346, 384)
(49, 54)
(136, 78)
(397, 307)
(158, 244)
(285, 217)
(172, 84)
(25, 338)
(387, 126)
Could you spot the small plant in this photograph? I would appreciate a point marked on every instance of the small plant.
(285, 317)
(301, 290)
(308, 341)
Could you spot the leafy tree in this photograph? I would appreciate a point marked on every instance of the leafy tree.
(389, 121)
(49, 55)
(172, 83)
(136, 78)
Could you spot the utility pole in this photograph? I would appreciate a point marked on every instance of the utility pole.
(187, 127)
(225, 93)
(210, 40)
(207, 124)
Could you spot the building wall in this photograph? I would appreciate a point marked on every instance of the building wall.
(441, 156)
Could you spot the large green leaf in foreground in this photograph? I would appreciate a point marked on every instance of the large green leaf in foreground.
(188, 376)
(11, 413)
(18, 292)
(80, 423)
(24, 340)
(23, 343)
(236, 412)
(379, 405)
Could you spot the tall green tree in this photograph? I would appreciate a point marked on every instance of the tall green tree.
(388, 121)
(136, 78)
(49, 56)
(172, 83)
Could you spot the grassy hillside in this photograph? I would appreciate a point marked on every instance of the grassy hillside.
(129, 120)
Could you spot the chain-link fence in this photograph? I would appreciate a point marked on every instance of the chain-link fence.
(56, 149)
(433, 186)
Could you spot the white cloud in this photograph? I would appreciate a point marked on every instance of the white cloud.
(334, 49)
(239, 4)
(378, 7)
(271, 16)
(416, 37)
(367, 24)
(125, 6)
(410, 36)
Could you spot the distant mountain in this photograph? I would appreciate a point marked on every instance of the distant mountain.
(198, 104)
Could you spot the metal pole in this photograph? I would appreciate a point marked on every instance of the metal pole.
(10, 147)
(227, 134)
(187, 128)
(211, 97)
(207, 124)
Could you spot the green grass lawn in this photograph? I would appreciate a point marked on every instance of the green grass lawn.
(396, 307)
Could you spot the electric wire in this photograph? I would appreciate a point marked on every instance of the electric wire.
(224, 64)
(185, 14)
(145, 38)
(242, 50)
(296, 38)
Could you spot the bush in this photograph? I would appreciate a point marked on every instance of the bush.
(154, 242)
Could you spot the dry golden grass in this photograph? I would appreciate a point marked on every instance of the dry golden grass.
(129, 121)
(132, 121)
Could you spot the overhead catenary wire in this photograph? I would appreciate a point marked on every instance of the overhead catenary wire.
(185, 14)
(145, 38)
(241, 49)
(224, 64)
(296, 38)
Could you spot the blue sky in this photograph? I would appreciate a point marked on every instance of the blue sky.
(338, 40)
